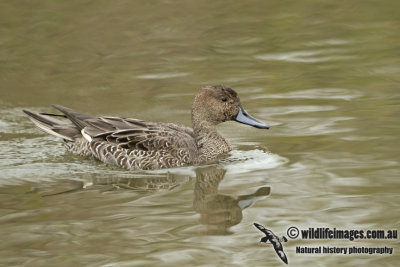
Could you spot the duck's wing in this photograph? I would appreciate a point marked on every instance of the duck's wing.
(142, 145)
(129, 133)
(133, 134)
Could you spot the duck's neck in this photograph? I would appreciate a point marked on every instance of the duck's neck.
(210, 143)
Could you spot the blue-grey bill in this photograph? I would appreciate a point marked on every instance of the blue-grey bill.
(244, 117)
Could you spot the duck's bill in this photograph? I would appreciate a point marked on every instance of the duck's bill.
(244, 117)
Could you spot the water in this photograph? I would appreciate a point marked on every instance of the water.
(323, 75)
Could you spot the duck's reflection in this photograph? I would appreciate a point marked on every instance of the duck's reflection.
(140, 183)
(146, 183)
(219, 212)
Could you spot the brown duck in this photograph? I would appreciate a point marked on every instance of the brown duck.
(135, 144)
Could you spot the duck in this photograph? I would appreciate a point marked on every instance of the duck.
(135, 144)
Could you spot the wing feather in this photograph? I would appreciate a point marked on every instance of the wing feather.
(173, 144)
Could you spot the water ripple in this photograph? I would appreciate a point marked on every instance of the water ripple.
(245, 161)
(314, 56)
(286, 110)
(316, 93)
(314, 126)
(162, 76)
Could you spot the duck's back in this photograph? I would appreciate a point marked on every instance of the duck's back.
(135, 144)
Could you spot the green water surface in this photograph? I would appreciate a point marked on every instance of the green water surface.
(323, 74)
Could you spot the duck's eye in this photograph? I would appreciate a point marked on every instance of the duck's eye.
(224, 99)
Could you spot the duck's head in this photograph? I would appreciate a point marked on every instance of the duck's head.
(216, 104)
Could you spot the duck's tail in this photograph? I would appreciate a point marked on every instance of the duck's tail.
(48, 123)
